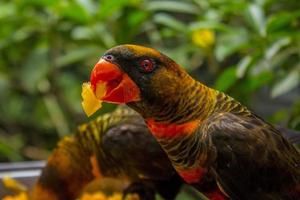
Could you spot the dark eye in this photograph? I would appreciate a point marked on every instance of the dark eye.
(147, 65)
(108, 57)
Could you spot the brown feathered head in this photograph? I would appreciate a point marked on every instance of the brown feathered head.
(138, 76)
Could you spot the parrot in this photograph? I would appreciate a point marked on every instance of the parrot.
(114, 145)
(204, 132)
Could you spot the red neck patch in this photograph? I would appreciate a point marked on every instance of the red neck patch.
(215, 195)
(164, 130)
(192, 175)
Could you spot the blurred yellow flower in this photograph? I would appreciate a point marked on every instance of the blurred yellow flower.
(204, 38)
(101, 196)
(20, 196)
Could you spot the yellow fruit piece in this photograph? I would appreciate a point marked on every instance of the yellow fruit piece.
(90, 102)
(20, 196)
(13, 184)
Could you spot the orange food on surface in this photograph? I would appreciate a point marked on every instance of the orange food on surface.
(13, 184)
(20, 196)
(101, 196)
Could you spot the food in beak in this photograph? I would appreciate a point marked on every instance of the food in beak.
(90, 102)
(108, 84)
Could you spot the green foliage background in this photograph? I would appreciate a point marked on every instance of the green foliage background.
(48, 47)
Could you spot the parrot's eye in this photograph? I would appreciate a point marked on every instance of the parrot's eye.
(147, 65)
(108, 57)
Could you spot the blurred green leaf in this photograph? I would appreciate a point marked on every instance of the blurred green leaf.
(9, 147)
(169, 21)
(231, 42)
(227, 79)
(276, 46)
(242, 66)
(209, 25)
(282, 21)
(89, 5)
(7, 152)
(279, 116)
(66, 83)
(82, 33)
(6, 10)
(110, 7)
(286, 84)
(56, 115)
(294, 115)
(4, 85)
(136, 18)
(34, 69)
(282, 57)
(73, 11)
(23, 33)
(257, 18)
(172, 6)
(37, 2)
(76, 55)
(254, 82)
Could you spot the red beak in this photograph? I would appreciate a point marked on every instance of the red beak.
(119, 86)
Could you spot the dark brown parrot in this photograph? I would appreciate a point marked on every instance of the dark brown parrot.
(203, 131)
(116, 145)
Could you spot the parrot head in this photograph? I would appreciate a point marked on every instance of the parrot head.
(134, 75)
